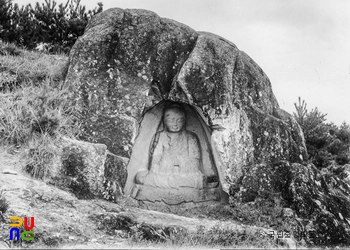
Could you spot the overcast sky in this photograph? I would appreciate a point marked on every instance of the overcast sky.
(302, 45)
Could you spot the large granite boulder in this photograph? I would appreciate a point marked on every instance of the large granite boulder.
(85, 169)
(79, 167)
(129, 62)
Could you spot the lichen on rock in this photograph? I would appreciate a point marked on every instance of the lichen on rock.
(81, 167)
(129, 60)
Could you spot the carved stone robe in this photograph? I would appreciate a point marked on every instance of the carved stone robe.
(175, 162)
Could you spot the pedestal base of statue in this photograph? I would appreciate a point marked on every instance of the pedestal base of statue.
(174, 196)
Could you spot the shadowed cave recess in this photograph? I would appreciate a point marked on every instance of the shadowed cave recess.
(173, 166)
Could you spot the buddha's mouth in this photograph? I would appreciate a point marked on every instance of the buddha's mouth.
(172, 130)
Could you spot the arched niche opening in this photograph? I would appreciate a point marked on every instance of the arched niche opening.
(172, 160)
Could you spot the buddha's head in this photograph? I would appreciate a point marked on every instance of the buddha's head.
(174, 118)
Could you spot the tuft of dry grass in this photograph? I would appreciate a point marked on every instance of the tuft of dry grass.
(41, 156)
(29, 67)
(35, 108)
(202, 238)
(32, 109)
(4, 205)
(9, 49)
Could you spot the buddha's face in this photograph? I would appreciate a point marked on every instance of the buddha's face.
(174, 120)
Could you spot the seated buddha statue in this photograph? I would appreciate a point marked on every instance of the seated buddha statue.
(174, 174)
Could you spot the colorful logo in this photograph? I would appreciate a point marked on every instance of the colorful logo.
(27, 235)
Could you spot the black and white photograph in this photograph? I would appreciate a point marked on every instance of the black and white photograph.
(158, 124)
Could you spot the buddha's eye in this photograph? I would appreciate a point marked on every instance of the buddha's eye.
(180, 120)
(169, 119)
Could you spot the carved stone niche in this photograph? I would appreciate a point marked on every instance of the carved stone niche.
(172, 161)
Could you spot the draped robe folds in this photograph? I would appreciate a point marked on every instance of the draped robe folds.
(176, 162)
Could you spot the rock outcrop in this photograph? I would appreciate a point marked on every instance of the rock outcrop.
(128, 61)
(320, 200)
(88, 170)
(80, 168)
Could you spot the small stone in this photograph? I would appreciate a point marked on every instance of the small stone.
(8, 171)
(287, 212)
(318, 203)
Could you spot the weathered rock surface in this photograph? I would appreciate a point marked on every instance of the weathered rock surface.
(127, 61)
(81, 168)
(321, 200)
(86, 169)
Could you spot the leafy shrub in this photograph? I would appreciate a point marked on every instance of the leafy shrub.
(9, 49)
(58, 26)
(322, 159)
(312, 124)
(342, 159)
(336, 147)
(325, 143)
(344, 133)
(5, 18)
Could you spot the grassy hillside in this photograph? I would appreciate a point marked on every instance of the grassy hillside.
(34, 108)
